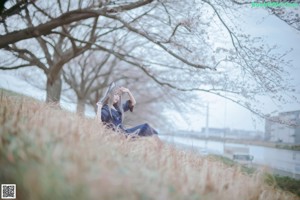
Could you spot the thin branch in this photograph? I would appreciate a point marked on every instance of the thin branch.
(42, 11)
(40, 40)
(32, 59)
(15, 67)
(135, 30)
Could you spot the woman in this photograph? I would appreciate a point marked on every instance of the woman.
(111, 111)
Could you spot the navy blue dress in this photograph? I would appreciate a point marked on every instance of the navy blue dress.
(114, 120)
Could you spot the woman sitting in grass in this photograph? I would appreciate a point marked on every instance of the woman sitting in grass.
(111, 112)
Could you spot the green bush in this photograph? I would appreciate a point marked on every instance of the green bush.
(288, 184)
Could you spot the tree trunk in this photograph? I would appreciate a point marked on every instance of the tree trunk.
(80, 106)
(54, 87)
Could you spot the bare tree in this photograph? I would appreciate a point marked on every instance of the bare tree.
(239, 71)
(55, 51)
(88, 74)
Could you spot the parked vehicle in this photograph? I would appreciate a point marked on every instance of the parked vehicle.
(243, 158)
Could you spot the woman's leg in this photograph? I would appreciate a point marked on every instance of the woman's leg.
(134, 130)
(142, 130)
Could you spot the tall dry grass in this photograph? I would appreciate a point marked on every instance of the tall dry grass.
(53, 154)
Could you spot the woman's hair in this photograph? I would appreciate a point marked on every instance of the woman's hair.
(109, 100)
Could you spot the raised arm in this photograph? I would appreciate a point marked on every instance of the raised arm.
(99, 107)
(126, 90)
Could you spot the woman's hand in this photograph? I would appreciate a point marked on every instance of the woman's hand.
(124, 90)
(99, 104)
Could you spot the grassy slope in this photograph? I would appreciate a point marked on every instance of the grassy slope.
(54, 154)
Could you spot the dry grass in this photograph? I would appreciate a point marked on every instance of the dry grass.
(53, 154)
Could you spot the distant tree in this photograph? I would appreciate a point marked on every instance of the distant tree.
(87, 74)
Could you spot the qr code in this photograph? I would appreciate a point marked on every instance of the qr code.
(8, 191)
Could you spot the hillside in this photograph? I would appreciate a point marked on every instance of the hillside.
(50, 153)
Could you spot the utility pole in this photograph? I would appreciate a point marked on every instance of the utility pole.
(207, 125)
(225, 118)
(207, 120)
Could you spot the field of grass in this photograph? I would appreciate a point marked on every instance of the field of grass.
(54, 154)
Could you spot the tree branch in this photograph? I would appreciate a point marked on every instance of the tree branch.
(66, 18)
(135, 30)
(40, 40)
(15, 67)
(32, 59)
